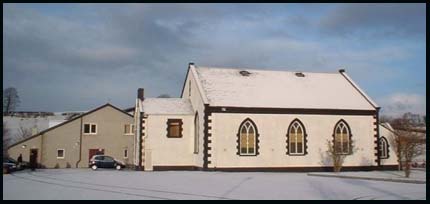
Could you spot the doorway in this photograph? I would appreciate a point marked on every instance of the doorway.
(93, 152)
(33, 158)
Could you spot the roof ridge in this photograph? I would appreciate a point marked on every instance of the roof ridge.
(263, 70)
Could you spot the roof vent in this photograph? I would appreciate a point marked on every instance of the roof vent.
(300, 74)
(244, 73)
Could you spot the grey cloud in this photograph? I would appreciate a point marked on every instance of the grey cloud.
(384, 20)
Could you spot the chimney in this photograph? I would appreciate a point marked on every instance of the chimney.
(191, 63)
(140, 94)
(341, 70)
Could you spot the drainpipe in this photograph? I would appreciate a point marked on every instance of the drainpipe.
(80, 145)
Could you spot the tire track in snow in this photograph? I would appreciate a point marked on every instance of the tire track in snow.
(133, 188)
(94, 189)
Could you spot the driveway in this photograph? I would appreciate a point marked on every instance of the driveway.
(173, 185)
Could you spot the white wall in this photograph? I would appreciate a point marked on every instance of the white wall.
(272, 147)
(392, 157)
(198, 106)
(169, 151)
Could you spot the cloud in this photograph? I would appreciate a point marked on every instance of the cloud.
(399, 103)
(66, 57)
(376, 20)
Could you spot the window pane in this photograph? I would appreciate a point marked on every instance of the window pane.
(93, 128)
(243, 150)
(299, 130)
(251, 130)
(251, 150)
(299, 137)
(345, 148)
(338, 147)
(132, 128)
(251, 140)
(174, 131)
(86, 128)
(292, 147)
(60, 153)
(125, 153)
(338, 130)
(299, 147)
(243, 142)
(127, 129)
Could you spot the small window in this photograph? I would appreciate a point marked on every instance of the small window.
(60, 153)
(383, 147)
(174, 128)
(196, 134)
(247, 138)
(90, 128)
(342, 138)
(129, 129)
(125, 153)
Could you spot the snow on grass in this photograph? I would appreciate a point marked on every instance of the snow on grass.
(112, 184)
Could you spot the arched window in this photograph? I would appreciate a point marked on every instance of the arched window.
(383, 144)
(342, 138)
(196, 133)
(296, 138)
(248, 138)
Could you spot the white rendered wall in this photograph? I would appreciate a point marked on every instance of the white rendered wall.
(392, 157)
(170, 151)
(272, 147)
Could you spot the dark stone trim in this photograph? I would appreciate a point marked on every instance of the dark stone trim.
(350, 136)
(227, 109)
(378, 149)
(186, 77)
(69, 121)
(140, 141)
(196, 133)
(305, 139)
(180, 127)
(301, 169)
(257, 139)
(388, 147)
(206, 136)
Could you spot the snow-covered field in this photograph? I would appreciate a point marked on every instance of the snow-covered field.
(111, 184)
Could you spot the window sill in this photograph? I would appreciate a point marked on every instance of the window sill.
(128, 134)
(60, 157)
(89, 133)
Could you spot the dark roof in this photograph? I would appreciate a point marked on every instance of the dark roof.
(129, 109)
(73, 119)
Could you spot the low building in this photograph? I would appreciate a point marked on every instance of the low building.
(103, 130)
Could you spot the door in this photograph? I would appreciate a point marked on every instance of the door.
(93, 152)
(33, 158)
(108, 162)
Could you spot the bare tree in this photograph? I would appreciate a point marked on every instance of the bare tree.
(10, 100)
(23, 133)
(336, 156)
(407, 142)
(6, 140)
(164, 96)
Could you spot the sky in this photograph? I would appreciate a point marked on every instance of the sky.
(75, 57)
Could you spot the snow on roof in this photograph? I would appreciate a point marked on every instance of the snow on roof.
(167, 106)
(279, 89)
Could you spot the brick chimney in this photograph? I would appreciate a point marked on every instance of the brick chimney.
(140, 94)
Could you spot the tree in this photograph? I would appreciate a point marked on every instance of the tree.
(336, 157)
(23, 133)
(164, 96)
(6, 140)
(407, 142)
(10, 99)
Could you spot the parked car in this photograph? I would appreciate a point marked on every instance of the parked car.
(9, 166)
(102, 161)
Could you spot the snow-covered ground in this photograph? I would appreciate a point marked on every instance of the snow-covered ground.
(111, 184)
(416, 176)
